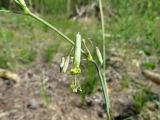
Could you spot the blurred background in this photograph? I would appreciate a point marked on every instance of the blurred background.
(132, 42)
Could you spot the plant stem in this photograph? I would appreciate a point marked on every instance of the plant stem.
(104, 89)
(103, 32)
(104, 63)
(51, 27)
(100, 73)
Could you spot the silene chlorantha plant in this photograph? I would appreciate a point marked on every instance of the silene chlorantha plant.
(78, 50)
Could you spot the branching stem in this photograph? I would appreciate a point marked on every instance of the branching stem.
(101, 73)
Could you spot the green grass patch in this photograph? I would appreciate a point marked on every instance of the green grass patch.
(49, 52)
(141, 97)
(27, 55)
(149, 65)
(125, 82)
(90, 82)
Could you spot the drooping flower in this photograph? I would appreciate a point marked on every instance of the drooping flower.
(77, 56)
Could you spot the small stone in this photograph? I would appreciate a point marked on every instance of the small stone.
(90, 103)
(97, 98)
(99, 89)
(9, 83)
(30, 74)
(32, 104)
(100, 114)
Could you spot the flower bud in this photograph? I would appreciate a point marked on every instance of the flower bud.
(66, 64)
(75, 71)
(99, 55)
(62, 64)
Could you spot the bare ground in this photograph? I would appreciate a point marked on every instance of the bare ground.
(25, 102)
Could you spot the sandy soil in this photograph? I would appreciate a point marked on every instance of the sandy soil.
(25, 102)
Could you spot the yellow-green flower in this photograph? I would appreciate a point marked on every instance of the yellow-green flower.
(77, 56)
(75, 71)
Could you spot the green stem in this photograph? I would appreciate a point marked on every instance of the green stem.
(104, 89)
(51, 27)
(103, 33)
(75, 80)
(100, 73)
(104, 63)
(103, 82)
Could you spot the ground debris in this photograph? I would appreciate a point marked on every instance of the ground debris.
(154, 77)
(32, 104)
(3, 114)
(9, 77)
